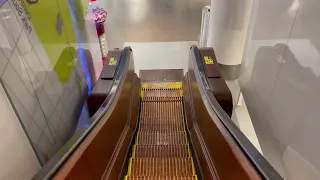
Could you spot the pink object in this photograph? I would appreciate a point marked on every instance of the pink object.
(100, 15)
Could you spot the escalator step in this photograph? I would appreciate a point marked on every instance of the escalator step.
(162, 110)
(161, 151)
(163, 93)
(161, 166)
(162, 178)
(159, 138)
(161, 125)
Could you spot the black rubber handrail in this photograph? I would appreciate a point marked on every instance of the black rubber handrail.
(262, 166)
(57, 161)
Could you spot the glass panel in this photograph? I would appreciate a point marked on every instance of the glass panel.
(280, 85)
(49, 61)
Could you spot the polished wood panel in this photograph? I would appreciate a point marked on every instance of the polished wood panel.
(120, 155)
(104, 83)
(216, 82)
(111, 65)
(103, 152)
(218, 155)
(98, 95)
(210, 62)
(222, 94)
(203, 161)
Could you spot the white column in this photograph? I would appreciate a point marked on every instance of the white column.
(229, 20)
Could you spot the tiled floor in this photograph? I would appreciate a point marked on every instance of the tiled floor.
(161, 55)
(152, 20)
(241, 115)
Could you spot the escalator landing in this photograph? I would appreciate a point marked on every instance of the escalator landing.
(161, 150)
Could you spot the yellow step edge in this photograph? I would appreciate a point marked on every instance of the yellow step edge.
(165, 85)
(193, 167)
(189, 151)
(130, 167)
(137, 138)
(133, 151)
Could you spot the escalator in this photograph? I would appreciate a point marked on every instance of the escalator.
(161, 150)
(167, 125)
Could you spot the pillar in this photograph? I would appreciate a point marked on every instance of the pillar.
(229, 21)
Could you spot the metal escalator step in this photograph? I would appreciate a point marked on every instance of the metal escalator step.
(161, 166)
(162, 110)
(161, 151)
(162, 178)
(161, 125)
(163, 93)
(176, 99)
(159, 138)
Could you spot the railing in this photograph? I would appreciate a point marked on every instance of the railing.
(262, 166)
(204, 33)
(57, 161)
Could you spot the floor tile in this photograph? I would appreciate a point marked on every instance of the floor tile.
(161, 55)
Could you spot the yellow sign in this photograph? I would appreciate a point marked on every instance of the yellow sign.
(208, 60)
(112, 61)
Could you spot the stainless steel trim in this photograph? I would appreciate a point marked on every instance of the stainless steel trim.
(56, 162)
(204, 32)
(230, 72)
(262, 166)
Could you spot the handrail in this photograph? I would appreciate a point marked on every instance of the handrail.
(262, 166)
(57, 161)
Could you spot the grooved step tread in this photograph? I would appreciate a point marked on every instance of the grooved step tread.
(160, 138)
(161, 151)
(161, 166)
(162, 178)
(162, 110)
(161, 125)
